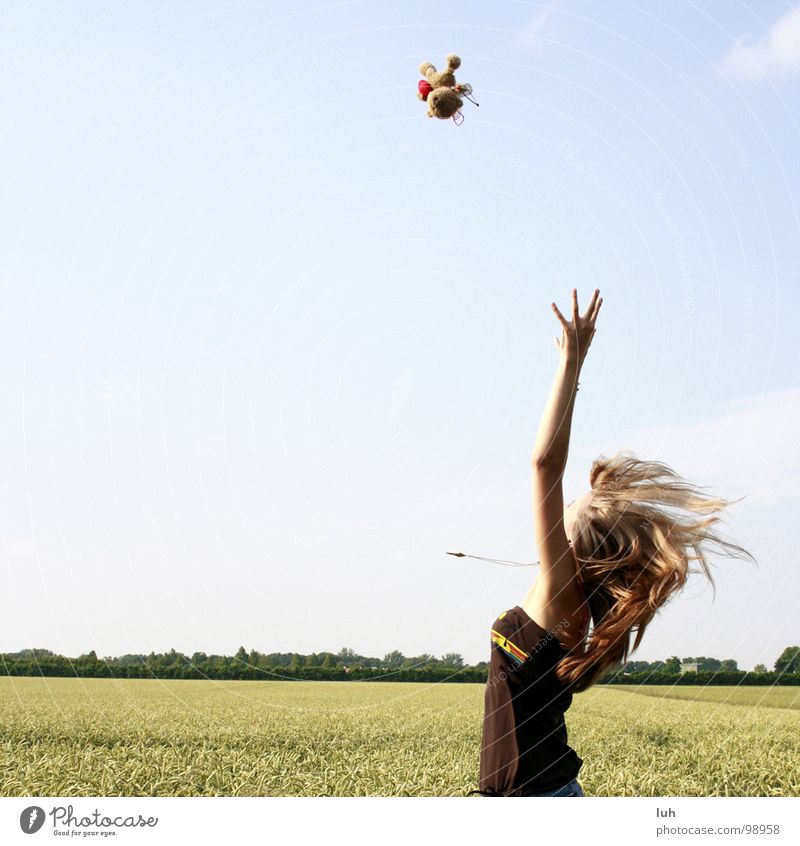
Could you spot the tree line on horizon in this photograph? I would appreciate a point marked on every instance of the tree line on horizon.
(346, 664)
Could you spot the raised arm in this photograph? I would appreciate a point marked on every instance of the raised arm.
(554, 595)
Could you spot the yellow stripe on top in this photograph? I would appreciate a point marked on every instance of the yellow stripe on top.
(508, 646)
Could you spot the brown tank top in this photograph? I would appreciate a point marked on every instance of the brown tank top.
(524, 749)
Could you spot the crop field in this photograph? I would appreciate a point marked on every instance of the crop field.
(766, 697)
(106, 737)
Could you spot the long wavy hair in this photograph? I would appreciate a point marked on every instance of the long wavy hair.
(634, 544)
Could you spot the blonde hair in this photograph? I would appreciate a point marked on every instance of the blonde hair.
(634, 554)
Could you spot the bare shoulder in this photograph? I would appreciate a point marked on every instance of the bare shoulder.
(558, 611)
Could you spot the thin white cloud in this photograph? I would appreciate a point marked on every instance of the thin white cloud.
(537, 24)
(747, 448)
(775, 55)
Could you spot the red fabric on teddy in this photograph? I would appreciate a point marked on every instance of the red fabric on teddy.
(424, 87)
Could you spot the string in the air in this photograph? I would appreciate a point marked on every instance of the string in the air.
(494, 560)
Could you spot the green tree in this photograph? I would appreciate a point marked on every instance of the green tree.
(729, 665)
(328, 662)
(393, 659)
(241, 655)
(759, 668)
(453, 659)
(672, 665)
(789, 660)
(424, 661)
(173, 658)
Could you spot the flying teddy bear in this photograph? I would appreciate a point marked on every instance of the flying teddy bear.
(440, 91)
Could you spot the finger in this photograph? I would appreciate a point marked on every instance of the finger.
(597, 309)
(559, 315)
(590, 307)
(575, 306)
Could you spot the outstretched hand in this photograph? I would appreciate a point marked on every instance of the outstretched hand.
(577, 334)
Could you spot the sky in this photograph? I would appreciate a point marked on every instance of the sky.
(273, 341)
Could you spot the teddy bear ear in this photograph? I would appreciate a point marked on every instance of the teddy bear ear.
(453, 62)
(425, 67)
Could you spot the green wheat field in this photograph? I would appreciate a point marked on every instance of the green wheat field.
(107, 737)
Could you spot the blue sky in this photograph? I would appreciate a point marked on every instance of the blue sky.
(274, 341)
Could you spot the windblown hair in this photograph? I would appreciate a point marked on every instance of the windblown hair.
(634, 554)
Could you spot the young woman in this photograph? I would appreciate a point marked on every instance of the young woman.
(611, 559)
